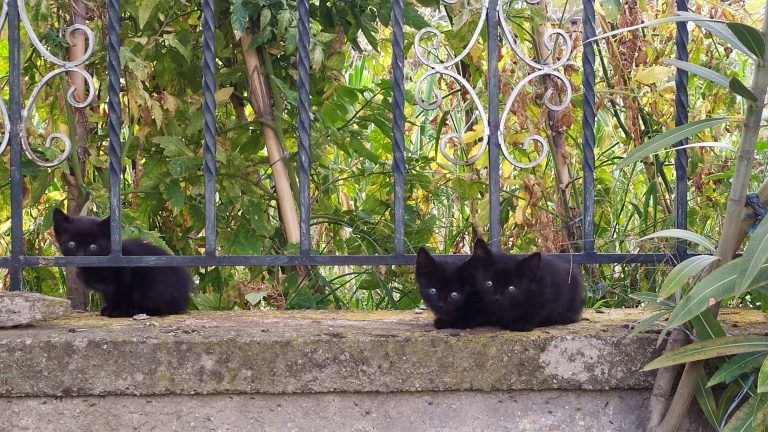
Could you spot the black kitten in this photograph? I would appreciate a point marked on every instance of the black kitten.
(125, 291)
(451, 298)
(524, 293)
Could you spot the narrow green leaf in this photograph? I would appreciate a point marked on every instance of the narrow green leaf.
(685, 235)
(682, 272)
(647, 322)
(718, 284)
(745, 418)
(652, 300)
(668, 138)
(701, 71)
(719, 29)
(706, 400)
(707, 326)
(762, 378)
(737, 365)
(740, 89)
(710, 144)
(750, 37)
(670, 19)
(711, 348)
(755, 255)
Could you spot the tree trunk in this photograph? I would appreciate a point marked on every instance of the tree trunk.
(79, 10)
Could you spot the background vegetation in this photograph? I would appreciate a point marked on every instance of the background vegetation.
(351, 183)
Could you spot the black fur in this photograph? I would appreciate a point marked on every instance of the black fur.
(452, 299)
(545, 290)
(125, 291)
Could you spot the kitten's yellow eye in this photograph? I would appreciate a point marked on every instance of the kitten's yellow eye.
(511, 288)
(455, 295)
(432, 291)
(71, 244)
(93, 248)
(489, 284)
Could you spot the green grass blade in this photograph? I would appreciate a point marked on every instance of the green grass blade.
(711, 348)
(707, 326)
(710, 144)
(701, 71)
(682, 272)
(668, 138)
(685, 235)
(750, 37)
(755, 255)
(736, 366)
(762, 378)
(652, 300)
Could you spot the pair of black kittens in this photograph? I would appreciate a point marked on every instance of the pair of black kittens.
(499, 289)
(125, 291)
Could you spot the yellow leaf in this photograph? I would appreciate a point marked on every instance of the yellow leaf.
(654, 74)
(473, 134)
(223, 94)
(520, 212)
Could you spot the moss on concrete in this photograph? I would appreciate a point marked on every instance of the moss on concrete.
(323, 351)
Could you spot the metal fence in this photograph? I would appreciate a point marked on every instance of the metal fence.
(15, 118)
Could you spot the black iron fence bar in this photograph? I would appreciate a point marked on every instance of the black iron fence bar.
(296, 260)
(494, 177)
(14, 115)
(681, 118)
(588, 127)
(17, 261)
(398, 124)
(115, 126)
(303, 126)
(209, 125)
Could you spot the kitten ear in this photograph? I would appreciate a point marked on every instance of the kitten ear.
(481, 252)
(425, 262)
(104, 224)
(59, 219)
(530, 265)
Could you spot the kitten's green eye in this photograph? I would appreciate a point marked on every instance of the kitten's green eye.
(455, 295)
(71, 244)
(511, 288)
(93, 248)
(432, 291)
(489, 284)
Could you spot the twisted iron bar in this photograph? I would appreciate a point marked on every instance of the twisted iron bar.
(588, 126)
(209, 124)
(304, 125)
(681, 118)
(114, 123)
(398, 122)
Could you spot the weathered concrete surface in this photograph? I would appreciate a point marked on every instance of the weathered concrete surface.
(315, 352)
(20, 308)
(520, 411)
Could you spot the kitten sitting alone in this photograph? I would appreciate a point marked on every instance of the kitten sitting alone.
(454, 301)
(524, 293)
(125, 291)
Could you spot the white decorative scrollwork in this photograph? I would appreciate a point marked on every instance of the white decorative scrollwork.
(443, 68)
(64, 66)
(555, 41)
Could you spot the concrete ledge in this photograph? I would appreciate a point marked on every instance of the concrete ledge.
(317, 352)
(550, 411)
